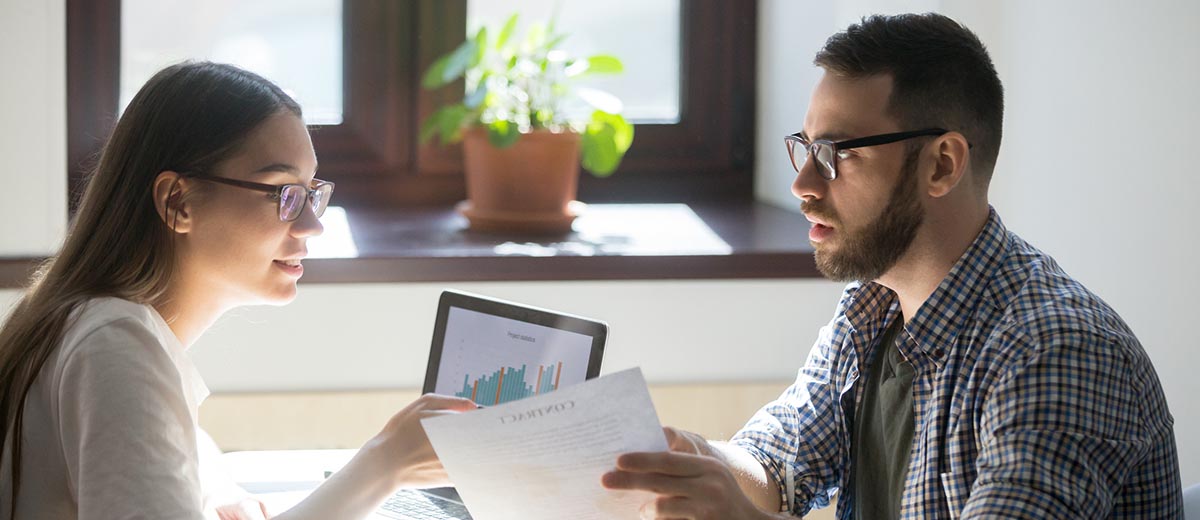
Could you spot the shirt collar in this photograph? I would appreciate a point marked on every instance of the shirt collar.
(194, 389)
(870, 306)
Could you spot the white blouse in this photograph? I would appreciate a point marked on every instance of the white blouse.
(111, 427)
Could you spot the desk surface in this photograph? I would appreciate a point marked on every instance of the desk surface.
(283, 470)
(282, 478)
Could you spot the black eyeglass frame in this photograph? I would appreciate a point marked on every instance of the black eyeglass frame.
(275, 193)
(829, 170)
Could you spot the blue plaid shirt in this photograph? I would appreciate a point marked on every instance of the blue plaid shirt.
(1032, 399)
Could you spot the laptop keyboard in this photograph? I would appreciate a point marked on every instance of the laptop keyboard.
(414, 505)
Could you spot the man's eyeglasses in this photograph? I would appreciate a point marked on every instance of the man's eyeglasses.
(291, 197)
(827, 152)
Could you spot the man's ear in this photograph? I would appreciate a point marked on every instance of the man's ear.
(170, 202)
(950, 154)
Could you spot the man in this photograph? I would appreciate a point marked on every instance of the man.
(964, 374)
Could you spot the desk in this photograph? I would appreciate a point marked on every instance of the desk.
(282, 478)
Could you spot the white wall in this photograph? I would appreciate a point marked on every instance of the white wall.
(1097, 169)
(1094, 170)
(33, 126)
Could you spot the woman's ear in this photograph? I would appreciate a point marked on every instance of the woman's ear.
(950, 163)
(170, 202)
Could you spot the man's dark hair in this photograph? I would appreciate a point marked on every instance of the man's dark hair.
(942, 76)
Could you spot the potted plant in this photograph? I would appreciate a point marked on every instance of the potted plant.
(525, 126)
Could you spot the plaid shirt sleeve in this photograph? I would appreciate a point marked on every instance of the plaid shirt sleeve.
(1064, 426)
(795, 437)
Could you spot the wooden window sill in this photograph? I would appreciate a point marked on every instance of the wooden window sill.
(610, 242)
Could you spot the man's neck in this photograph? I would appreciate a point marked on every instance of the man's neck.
(941, 241)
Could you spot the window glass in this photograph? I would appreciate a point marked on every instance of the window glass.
(295, 43)
(643, 34)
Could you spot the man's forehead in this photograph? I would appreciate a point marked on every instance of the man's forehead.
(843, 107)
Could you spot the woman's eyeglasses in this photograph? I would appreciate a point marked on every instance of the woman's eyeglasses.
(291, 197)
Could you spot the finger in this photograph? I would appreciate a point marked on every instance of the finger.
(665, 462)
(674, 438)
(684, 441)
(425, 414)
(445, 402)
(653, 482)
(262, 508)
(668, 508)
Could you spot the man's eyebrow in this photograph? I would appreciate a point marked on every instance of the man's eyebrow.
(833, 136)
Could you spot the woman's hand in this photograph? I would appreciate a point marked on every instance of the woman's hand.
(403, 440)
(247, 509)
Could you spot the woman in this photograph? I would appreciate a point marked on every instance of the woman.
(203, 200)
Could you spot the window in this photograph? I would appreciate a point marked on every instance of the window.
(297, 43)
(644, 35)
(364, 129)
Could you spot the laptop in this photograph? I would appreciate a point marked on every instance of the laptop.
(492, 352)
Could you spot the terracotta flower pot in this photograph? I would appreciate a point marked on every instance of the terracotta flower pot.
(527, 187)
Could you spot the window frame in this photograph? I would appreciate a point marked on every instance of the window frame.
(374, 156)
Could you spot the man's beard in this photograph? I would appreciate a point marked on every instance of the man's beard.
(867, 254)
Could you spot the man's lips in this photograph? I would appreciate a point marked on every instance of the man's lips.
(819, 232)
(820, 229)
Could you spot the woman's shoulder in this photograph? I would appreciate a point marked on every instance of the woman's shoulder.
(130, 324)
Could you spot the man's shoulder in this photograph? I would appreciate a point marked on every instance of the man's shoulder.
(1039, 306)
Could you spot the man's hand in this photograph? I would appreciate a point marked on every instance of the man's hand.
(692, 481)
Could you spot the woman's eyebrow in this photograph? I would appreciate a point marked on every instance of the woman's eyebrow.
(279, 167)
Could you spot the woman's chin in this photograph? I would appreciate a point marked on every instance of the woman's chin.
(276, 296)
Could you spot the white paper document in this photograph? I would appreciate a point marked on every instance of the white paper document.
(542, 457)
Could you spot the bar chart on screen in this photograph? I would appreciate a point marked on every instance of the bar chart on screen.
(493, 360)
(510, 384)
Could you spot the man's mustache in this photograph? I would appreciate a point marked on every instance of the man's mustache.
(819, 211)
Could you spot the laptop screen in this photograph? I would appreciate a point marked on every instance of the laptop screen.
(493, 352)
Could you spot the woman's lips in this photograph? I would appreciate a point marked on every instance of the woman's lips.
(291, 267)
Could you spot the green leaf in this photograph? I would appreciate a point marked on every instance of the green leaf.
(476, 97)
(541, 118)
(604, 64)
(506, 32)
(433, 76)
(452, 122)
(605, 141)
(430, 127)
(446, 122)
(449, 67)
(433, 125)
(503, 134)
(535, 36)
(600, 154)
(623, 131)
(554, 42)
(481, 47)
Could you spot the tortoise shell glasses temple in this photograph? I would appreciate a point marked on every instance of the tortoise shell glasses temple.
(275, 192)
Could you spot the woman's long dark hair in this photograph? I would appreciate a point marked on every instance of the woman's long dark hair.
(189, 117)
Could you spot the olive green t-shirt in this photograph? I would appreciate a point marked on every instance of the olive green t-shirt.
(882, 432)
